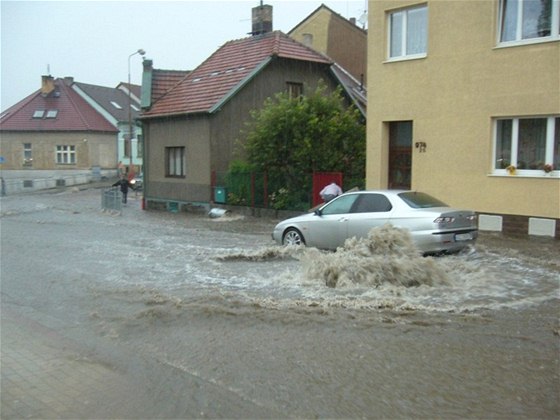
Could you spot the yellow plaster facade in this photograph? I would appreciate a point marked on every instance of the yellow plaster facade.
(453, 95)
(339, 38)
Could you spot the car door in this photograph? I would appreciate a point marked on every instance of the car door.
(329, 229)
(370, 210)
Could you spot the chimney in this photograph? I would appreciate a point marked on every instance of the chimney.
(146, 88)
(353, 20)
(68, 80)
(47, 85)
(261, 19)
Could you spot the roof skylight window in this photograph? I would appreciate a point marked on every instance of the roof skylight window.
(134, 107)
(116, 105)
(39, 113)
(52, 113)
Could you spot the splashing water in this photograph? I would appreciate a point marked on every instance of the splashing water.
(386, 255)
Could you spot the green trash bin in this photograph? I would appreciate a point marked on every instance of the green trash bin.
(220, 195)
(173, 207)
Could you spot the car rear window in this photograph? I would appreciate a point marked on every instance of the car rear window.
(418, 200)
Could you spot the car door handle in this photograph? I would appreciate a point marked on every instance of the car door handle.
(343, 219)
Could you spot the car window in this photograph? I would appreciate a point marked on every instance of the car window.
(372, 203)
(418, 200)
(340, 205)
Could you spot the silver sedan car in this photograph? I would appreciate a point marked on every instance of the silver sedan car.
(434, 226)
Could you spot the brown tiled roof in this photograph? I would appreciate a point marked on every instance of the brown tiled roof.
(73, 113)
(164, 80)
(227, 70)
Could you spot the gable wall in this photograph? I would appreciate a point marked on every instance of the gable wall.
(228, 123)
(316, 25)
(347, 45)
(342, 41)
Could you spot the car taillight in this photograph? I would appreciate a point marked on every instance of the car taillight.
(442, 220)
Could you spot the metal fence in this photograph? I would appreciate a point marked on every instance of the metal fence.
(258, 190)
(111, 199)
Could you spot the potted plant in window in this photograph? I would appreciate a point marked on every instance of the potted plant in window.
(511, 169)
(547, 168)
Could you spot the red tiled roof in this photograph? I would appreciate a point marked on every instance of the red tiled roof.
(232, 65)
(73, 113)
(164, 80)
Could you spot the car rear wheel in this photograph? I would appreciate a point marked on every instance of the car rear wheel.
(292, 236)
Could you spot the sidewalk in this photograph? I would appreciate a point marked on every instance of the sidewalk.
(44, 375)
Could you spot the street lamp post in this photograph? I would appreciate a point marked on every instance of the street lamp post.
(130, 130)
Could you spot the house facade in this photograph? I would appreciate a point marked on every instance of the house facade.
(67, 133)
(339, 38)
(54, 137)
(464, 103)
(193, 129)
(121, 107)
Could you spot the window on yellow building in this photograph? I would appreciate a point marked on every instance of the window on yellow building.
(408, 33)
(27, 154)
(529, 20)
(66, 154)
(527, 145)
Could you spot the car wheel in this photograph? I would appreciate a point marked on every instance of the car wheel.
(293, 237)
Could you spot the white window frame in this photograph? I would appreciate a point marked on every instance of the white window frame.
(554, 28)
(549, 150)
(66, 155)
(404, 32)
(27, 154)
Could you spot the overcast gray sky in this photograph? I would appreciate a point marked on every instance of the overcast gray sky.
(92, 40)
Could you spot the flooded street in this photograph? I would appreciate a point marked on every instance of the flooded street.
(209, 319)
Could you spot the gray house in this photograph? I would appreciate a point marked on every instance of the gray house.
(193, 121)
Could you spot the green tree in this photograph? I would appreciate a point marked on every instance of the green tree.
(290, 138)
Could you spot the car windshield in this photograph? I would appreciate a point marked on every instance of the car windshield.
(418, 200)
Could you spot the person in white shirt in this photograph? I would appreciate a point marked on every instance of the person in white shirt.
(330, 191)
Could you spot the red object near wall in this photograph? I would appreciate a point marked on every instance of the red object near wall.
(321, 180)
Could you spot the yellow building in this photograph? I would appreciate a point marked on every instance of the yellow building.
(341, 39)
(464, 103)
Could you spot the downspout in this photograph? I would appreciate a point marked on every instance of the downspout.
(145, 104)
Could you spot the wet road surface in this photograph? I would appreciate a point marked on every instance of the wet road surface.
(189, 317)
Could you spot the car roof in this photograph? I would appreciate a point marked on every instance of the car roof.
(386, 192)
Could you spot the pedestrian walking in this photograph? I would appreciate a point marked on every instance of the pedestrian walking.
(124, 184)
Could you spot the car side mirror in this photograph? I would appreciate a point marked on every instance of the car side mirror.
(318, 212)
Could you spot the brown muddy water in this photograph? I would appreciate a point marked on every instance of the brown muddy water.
(373, 330)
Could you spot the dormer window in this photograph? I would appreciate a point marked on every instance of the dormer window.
(39, 113)
(52, 113)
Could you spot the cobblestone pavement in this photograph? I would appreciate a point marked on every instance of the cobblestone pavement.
(45, 375)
